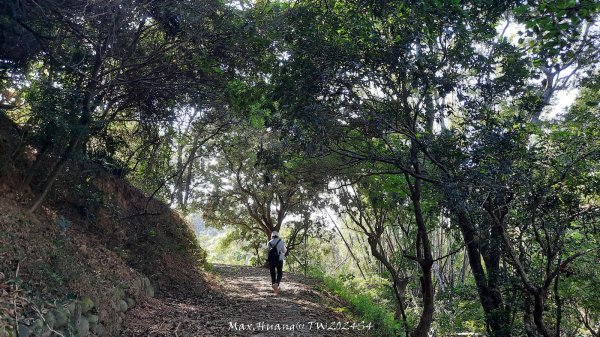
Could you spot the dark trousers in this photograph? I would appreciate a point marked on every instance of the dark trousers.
(276, 266)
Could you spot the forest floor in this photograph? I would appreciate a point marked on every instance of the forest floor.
(243, 296)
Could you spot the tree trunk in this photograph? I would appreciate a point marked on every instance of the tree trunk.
(425, 259)
(71, 149)
(422, 329)
(538, 313)
(400, 314)
(558, 301)
(36, 166)
(76, 140)
(398, 283)
(527, 323)
(491, 301)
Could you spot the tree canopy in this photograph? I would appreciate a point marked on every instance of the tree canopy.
(430, 130)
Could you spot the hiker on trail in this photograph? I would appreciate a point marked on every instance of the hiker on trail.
(276, 255)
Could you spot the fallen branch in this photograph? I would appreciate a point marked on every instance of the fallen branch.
(16, 295)
(177, 328)
(39, 312)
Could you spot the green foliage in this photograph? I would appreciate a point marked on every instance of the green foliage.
(427, 116)
(551, 28)
(364, 308)
(461, 312)
(239, 247)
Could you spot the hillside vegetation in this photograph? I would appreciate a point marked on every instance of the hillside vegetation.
(97, 248)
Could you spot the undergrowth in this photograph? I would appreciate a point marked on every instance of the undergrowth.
(363, 307)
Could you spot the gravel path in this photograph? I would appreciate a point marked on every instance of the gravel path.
(242, 303)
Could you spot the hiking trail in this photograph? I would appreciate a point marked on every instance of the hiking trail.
(243, 295)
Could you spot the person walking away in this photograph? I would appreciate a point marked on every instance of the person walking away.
(277, 250)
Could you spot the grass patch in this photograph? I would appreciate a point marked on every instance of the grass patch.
(363, 308)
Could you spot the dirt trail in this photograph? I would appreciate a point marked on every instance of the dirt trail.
(243, 296)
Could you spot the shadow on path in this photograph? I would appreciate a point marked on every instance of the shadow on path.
(242, 303)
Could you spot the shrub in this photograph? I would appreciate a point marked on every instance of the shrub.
(364, 308)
